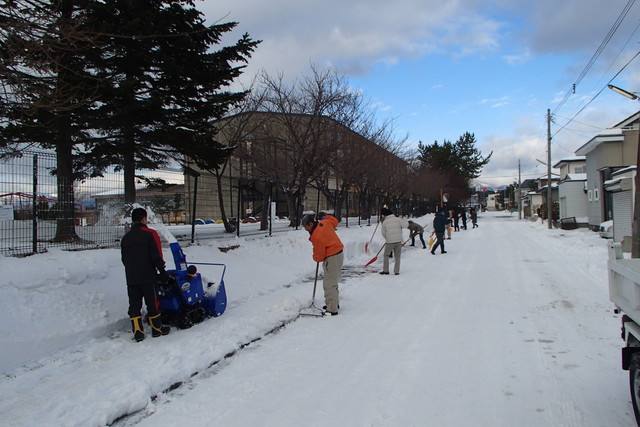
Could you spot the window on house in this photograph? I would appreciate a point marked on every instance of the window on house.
(580, 169)
(596, 194)
(590, 195)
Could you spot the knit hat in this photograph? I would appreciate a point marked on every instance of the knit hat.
(385, 212)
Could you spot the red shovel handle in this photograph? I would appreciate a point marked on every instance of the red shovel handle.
(375, 257)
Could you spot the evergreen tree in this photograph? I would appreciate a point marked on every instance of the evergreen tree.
(129, 83)
(161, 88)
(437, 157)
(462, 159)
(46, 89)
(469, 158)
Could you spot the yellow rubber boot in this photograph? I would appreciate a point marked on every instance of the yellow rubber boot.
(157, 329)
(136, 325)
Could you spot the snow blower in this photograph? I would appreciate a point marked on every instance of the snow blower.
(183, 299)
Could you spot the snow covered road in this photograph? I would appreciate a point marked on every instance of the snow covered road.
(512, 326)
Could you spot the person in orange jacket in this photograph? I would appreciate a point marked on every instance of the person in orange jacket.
(327, 249)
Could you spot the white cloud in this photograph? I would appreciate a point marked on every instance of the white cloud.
(519, 59)
(354, 35)
(495, 102)
(543, 45)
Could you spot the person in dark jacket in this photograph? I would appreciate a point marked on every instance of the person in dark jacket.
(474, 217)
(439, 226)
(141, 252)
(463, 215)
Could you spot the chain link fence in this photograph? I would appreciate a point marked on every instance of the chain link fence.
(34, 219)
(31, 216)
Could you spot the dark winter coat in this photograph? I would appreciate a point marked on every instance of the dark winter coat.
(141, 252)
(440, 223)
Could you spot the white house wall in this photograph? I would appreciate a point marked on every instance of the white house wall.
(536, 202)
(491, 202)
(573, 201)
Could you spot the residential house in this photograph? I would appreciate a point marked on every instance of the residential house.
(611, 150)
(572, 190)
(527, 187)
(533, 200)
(492, 202)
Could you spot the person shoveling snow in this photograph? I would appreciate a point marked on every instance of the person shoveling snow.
(327, 249)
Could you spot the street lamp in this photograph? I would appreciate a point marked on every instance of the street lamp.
(635, 225)
(623, 92)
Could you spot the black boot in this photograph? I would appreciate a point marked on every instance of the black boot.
(136, 326)
(157, 329)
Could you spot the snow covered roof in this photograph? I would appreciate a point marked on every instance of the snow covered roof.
(570, 160)
(612, 181)
(554, 185)
(618, 177)
(576, 177)
(628, 121)
(624, 170)
(607, 135)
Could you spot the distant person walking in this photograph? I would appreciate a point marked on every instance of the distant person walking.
(141, 252)
(327, 249)
(392, 232)
(439, 227)
(456, 218)
(463, 216)
(416, 230)
(474, 217)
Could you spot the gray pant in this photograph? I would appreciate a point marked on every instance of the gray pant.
(396, 248)
(332, 267)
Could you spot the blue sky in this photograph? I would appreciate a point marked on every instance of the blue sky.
(440, 69)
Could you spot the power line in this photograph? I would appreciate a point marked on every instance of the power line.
(621, 50)
(597, 53)
(606, 40)
(580, 123)
(506, 176)
(597, 94)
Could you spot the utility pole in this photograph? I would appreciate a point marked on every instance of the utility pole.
(519, 193)
(549, 201)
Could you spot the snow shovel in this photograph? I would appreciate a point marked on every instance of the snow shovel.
(405, 242)
(431, 240)
(366, 245)
(375, 257)
(312, 310)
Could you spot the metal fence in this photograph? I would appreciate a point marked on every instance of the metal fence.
(33, 221)
(30, 215)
